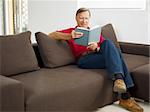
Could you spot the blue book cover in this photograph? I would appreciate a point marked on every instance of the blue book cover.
(89, 35)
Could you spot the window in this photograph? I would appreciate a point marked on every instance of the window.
(1, 18)
(115, 4)
(24, 15)
(14, 16)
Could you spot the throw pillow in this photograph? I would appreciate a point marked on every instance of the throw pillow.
(108, 32)
(17, 54)
(54, 53)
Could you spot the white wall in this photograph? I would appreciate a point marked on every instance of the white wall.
(50, 15)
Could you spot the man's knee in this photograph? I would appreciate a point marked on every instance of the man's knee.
(109, 42)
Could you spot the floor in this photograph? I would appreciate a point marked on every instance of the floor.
(116, 108)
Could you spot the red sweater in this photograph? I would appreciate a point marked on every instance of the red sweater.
(78, 49)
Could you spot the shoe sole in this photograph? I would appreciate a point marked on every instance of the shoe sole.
(132, 110)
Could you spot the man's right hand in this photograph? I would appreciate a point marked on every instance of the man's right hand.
(75, 34)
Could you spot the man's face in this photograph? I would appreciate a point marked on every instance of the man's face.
(83, 19)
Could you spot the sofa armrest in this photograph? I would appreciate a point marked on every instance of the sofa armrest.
(137, 49)
(11, 95)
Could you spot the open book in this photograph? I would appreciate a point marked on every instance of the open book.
(89, 35)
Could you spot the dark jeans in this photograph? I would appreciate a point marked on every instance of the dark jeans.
(108, 57)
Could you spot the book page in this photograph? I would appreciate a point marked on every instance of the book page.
(94, 35)
(89, 35)
(94, 27)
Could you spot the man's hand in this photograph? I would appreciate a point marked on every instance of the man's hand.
(92, 46)
(76, 34)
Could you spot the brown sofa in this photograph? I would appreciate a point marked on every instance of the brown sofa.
(47, 78)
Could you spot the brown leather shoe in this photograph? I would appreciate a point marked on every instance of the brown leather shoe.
(131, 105)
(119, 86)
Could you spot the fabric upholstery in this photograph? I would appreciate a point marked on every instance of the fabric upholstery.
(137, 49)
(17, 54)
(108, 32)
(54, 53)
(11, 95)
(141, 78)
(134, 61)
(81, 89)
(66, 88)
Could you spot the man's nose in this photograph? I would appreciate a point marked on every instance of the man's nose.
(84, 20)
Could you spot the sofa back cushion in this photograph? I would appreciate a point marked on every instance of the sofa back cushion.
(108, 32)
(134, 48)
(54, 53)
(17, 54)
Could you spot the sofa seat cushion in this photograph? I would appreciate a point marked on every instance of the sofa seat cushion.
(134, 61)
(66, 88)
